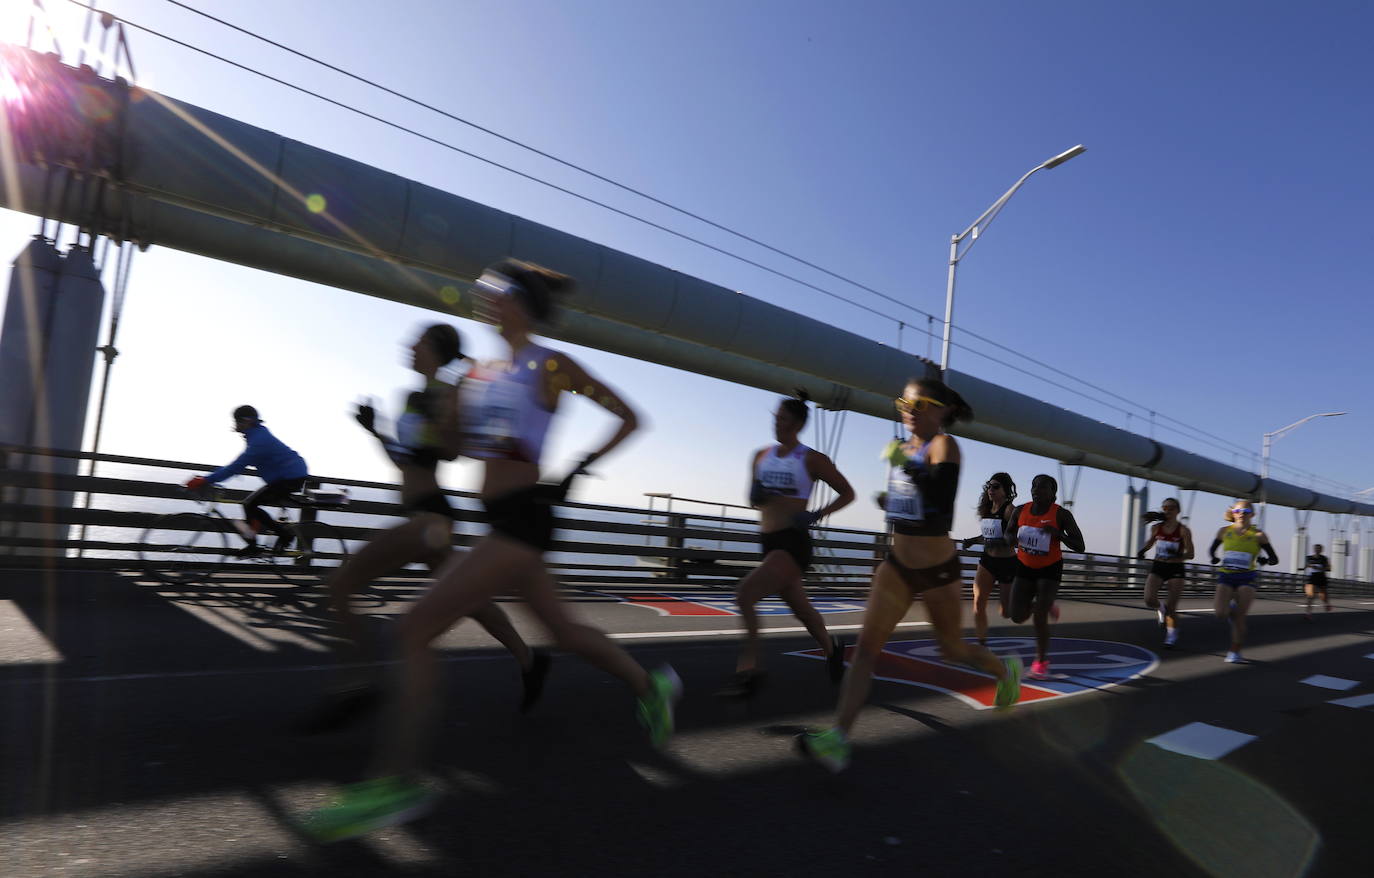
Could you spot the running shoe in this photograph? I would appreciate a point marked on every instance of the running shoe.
(340, 709)
(1009, 687)
(283, 543)
(1040, 669)
(835, 661)
(372, 804)
(745, 684)
(1159, 614)
(1171, 637)
(656, 707)
(533, 679)
(1234, 658)
(252, 550)
(830, 748)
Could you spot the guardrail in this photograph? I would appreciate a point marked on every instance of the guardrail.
(597, 543)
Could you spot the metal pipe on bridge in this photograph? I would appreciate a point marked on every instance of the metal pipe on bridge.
(184, 177)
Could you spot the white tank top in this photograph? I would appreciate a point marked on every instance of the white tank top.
(785, 476)
(502, 413)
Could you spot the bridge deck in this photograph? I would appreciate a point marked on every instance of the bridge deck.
(146, 737)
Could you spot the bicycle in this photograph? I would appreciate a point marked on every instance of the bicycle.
(185, 548)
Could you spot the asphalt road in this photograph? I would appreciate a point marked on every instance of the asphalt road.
(146, 734)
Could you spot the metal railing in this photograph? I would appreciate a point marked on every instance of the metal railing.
(596, 543)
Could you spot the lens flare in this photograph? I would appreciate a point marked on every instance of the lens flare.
(1261, 835)
(316, 203)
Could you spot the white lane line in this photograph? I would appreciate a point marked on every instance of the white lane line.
(1201, 741)
(725, 632)
(1326, 682)
(234, 672)
(1355, 701)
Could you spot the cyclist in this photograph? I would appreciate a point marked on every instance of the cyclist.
(281, 468)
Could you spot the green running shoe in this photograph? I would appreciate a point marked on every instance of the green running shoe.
(372, 804)
(830, 748)
(656, 708)
(1009, 687)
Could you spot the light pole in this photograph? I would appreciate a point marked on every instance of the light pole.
(971, 236)
(1264, 457)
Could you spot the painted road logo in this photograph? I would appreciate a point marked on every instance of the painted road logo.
(696, 603)
(1077, 666)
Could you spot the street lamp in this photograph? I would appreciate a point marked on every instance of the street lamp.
(971, 235)
(1264, 462)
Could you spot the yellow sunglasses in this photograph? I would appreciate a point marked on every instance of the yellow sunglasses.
(919, 404)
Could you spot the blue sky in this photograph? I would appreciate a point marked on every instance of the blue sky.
(1208, 256)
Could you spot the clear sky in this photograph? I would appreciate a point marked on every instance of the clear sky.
(1209, 256)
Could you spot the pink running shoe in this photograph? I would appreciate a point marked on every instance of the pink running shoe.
(1040, 670)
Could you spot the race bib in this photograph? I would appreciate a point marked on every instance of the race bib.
(992, 529)
(777, 481)
(904, 501)
(1165, 549)
(497, 416)
(1033, 540)
(1237, 560)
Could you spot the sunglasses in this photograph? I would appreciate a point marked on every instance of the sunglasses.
(1242, 510)
(919, 404)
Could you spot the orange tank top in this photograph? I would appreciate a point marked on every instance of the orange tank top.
(1035, 547)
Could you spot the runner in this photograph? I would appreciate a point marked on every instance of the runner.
(426, 433)
(1240, 543)
(997, 566)
(922, 562)
(1317, 567)
(506, 410)
(1173, 544)
(281, 468)
(782, 478)
(1041, 527)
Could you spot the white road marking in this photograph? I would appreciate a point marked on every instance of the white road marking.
(725, 632)
(234, 672)
(1355, 701)
(1326, 682)
(1201, 741)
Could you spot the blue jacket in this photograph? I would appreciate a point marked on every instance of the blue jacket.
(275, 461)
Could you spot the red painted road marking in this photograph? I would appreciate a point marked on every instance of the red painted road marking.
(671, 606)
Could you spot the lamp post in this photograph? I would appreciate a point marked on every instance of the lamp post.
(1264, 457)
(971, 236)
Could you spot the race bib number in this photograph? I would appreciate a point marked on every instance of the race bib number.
(992, 529)
(1237, 560)
(1165, 550)
(904, 501)
(1033, 540)
(778, 482)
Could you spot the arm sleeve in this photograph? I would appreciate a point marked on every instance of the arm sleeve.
(1212, 552)
(1269, 550)
(239, 464)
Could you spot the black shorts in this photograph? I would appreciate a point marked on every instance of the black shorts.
(1317, 581)
(1034, 588)
(794, 542)
(1167, 570)
(1002, 569)
(525, 516)
(926, 578)
(1054, 572)
(436, 503)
